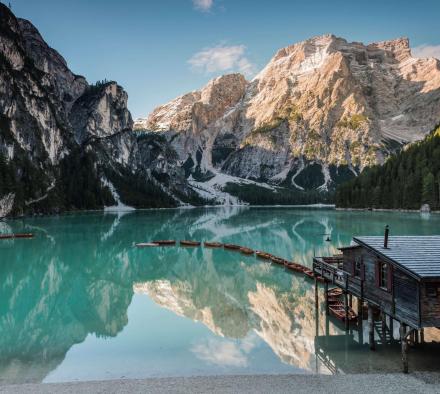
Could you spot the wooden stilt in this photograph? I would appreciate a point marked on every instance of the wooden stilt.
(326, 298)
(360, 321)
(360, 304)
(411, 338)
(347, 322)
(404, 345)
(316, 293)
(422, 335)
(316, 308)
(350, 300)
(384, 326)
(392, 328)
(371, 328)
(327, 326)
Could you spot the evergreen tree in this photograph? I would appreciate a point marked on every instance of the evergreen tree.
(407, 180)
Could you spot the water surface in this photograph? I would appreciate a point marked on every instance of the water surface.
(80, 302)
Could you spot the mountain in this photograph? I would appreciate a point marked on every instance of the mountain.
(316, 115)
(67, 144)
(408, 180)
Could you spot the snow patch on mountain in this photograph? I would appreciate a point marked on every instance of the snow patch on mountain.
(120, 206)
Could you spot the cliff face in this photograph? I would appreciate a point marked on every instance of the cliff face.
(63, 141)
(319, 112)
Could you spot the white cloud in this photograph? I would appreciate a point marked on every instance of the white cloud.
(222, 58)
(426, 50)
(203, 5)
(223, 352)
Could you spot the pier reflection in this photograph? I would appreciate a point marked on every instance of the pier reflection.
(81, 272)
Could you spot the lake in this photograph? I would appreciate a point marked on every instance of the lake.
(81, 302)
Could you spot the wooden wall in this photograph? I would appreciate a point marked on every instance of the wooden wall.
(430, 304)
(403, 288)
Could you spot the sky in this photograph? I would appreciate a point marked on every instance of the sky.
(158, 50)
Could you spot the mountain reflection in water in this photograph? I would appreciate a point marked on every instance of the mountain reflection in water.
(77, 279)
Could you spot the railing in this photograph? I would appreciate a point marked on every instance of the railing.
(331, 269)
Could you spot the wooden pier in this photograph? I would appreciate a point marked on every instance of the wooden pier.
(391, 278)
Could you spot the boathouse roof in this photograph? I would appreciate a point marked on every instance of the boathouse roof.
(417, 254)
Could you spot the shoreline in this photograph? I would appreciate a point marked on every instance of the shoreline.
(417, 382)
(385, 210)
(193, 207)
(183, 207)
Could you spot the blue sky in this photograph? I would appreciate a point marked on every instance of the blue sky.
(158, 50)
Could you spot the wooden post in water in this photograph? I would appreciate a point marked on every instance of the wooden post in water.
(316, 293)
(326, 297)
(360, 321)
(392, 329)
(404, 345)
(371, 328)
(316, 308)
(422, 335)
(360, 304)
(384, 326)
(412, 338)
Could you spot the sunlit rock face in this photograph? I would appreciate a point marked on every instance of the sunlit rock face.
(340, 105)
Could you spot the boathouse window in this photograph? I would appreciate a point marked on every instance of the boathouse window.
(383, 276)
(432, 290)
(358, 267)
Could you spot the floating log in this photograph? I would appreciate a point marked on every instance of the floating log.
(146, 244)
(247, 251)
(189, 243)
(213, 244)
(263, 255)
(166, 242)
(11, 236)
(232, 247)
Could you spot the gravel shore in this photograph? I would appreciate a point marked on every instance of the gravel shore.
(366, 383)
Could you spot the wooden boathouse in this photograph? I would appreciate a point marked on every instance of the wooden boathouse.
(396, 277)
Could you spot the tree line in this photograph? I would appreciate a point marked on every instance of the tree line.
(407, 180)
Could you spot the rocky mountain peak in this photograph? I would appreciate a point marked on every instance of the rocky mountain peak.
(101, 112)
(399, 47)
(321, 109)
(196, 110)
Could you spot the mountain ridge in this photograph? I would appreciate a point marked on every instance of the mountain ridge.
(321, 106)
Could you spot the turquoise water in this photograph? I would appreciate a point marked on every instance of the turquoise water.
(80, 302)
